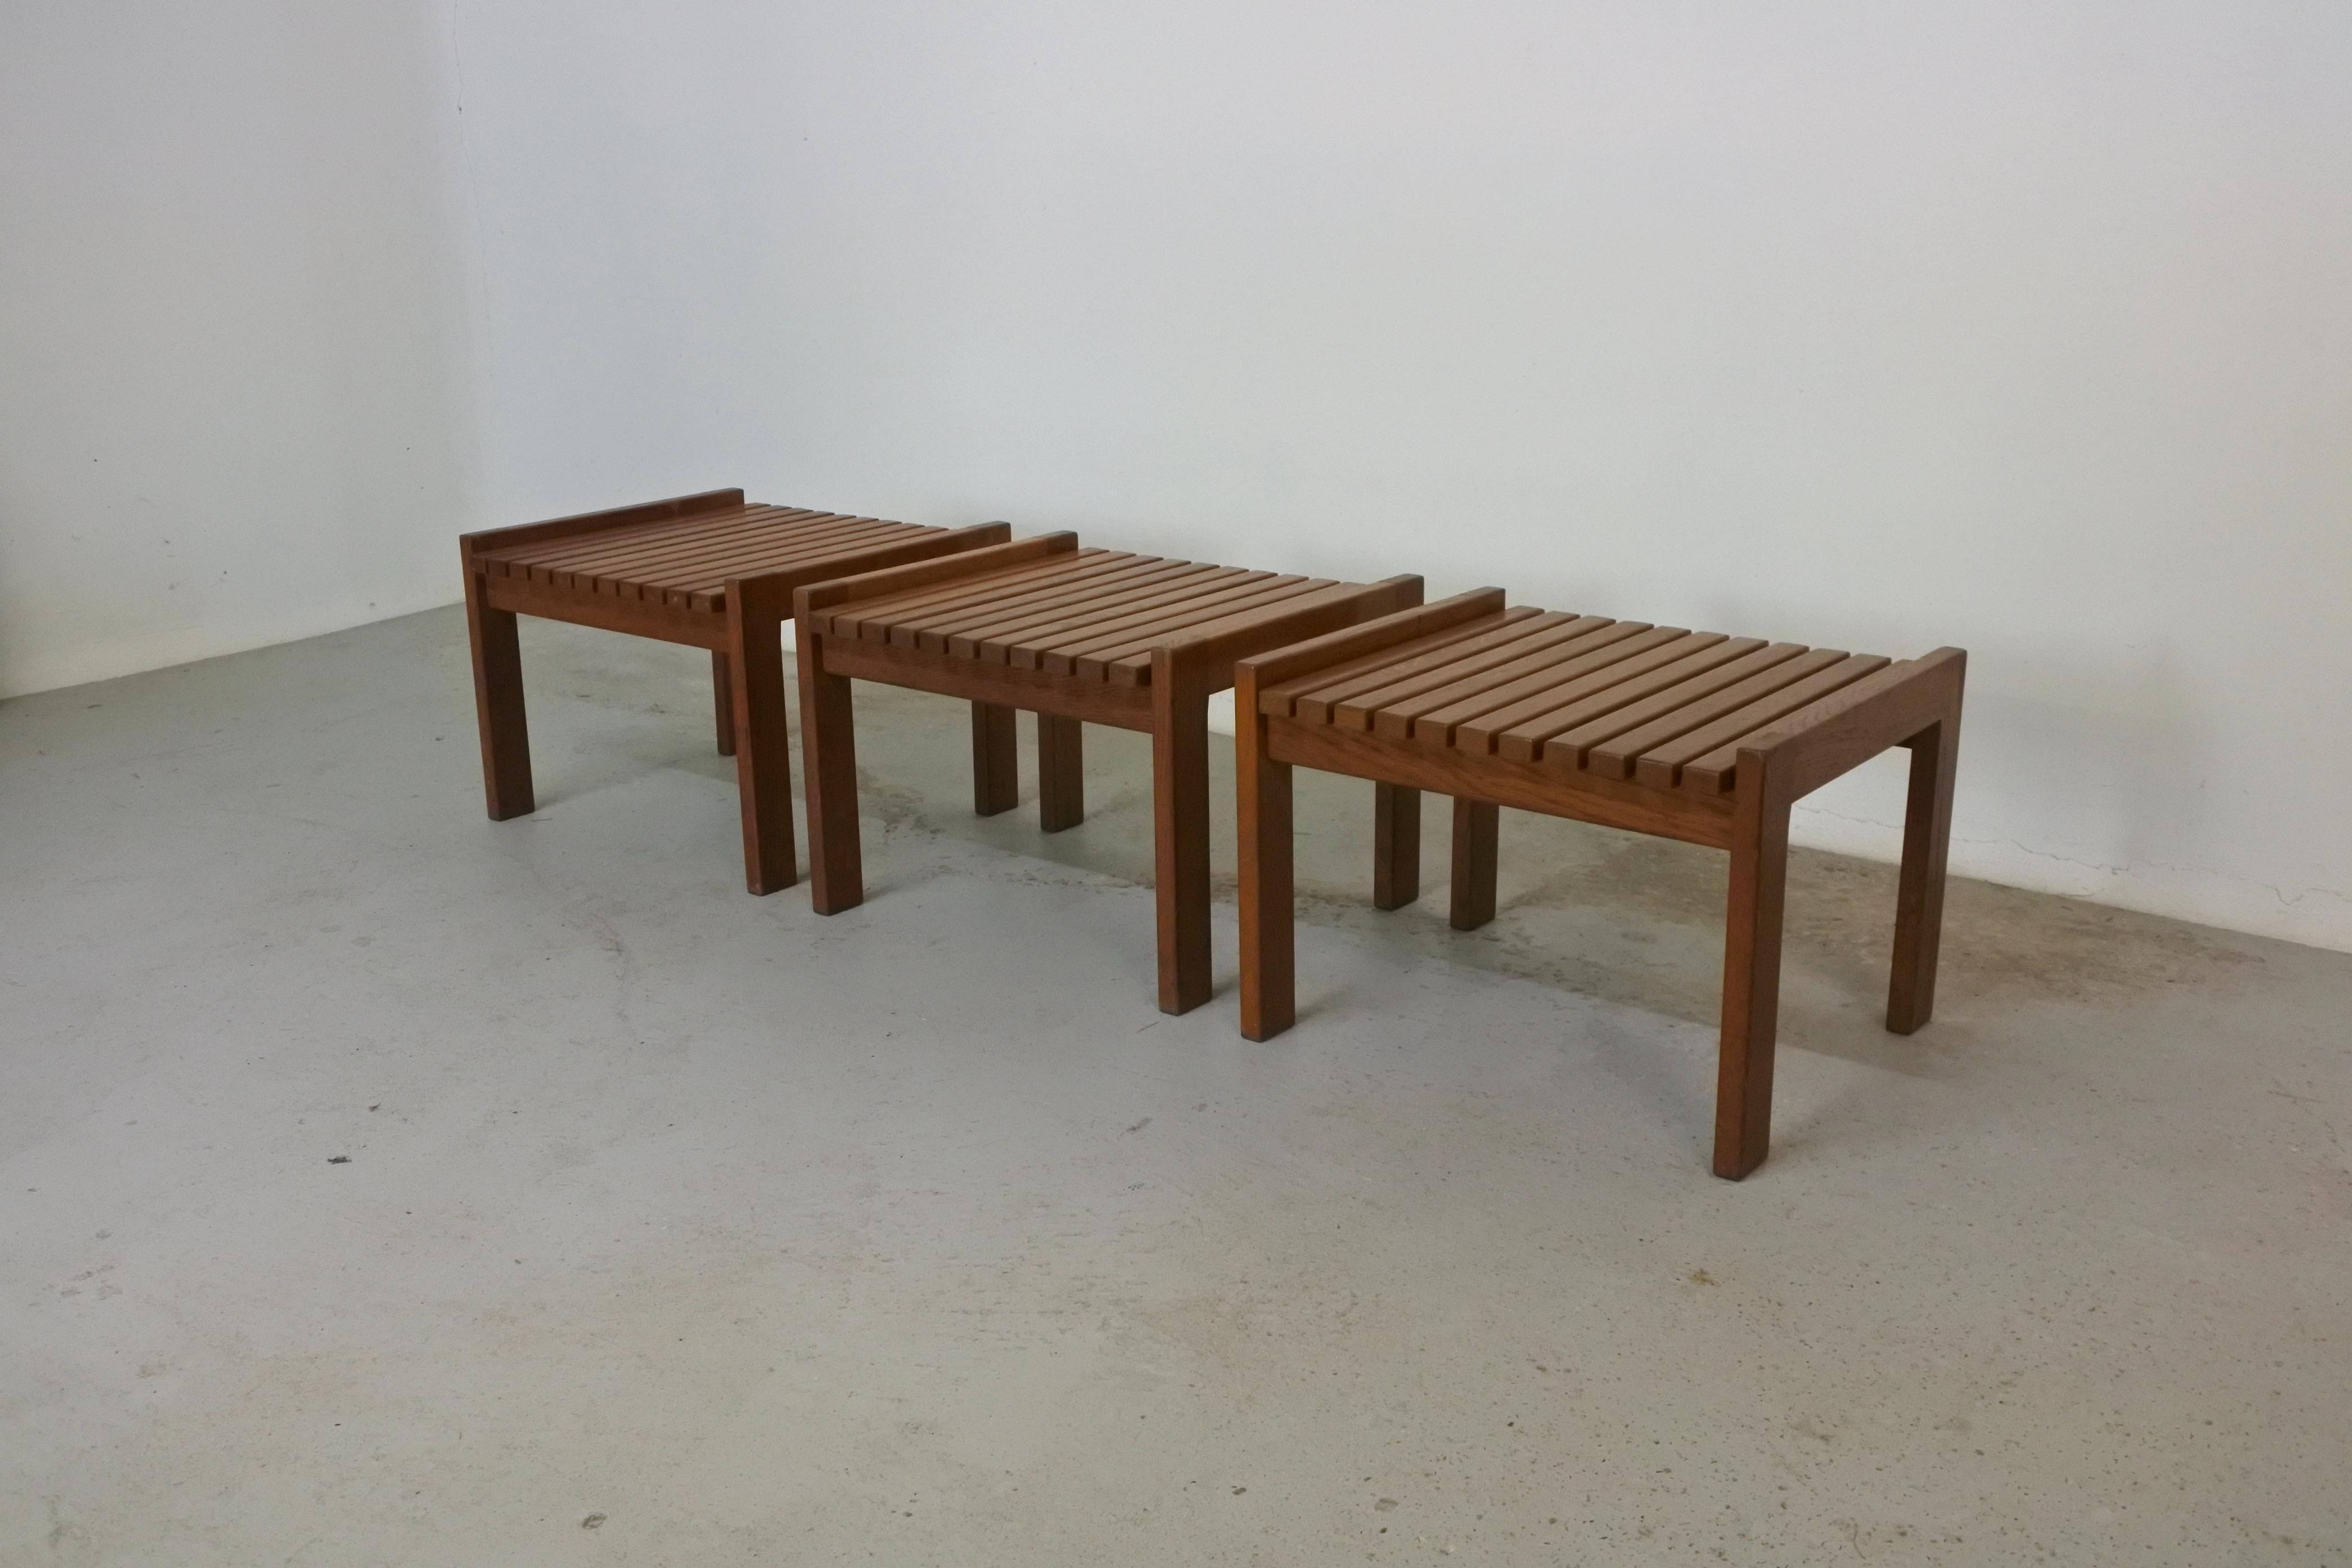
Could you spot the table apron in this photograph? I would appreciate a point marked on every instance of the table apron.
(697, 628)
(1038, 690)
(1524, 786)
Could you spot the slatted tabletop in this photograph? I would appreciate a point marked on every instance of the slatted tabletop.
(1094, 615)
(684, 561)
(1585, 694)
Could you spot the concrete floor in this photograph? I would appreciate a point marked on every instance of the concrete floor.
(378, 1185)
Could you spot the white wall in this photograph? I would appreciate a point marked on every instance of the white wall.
(2023, 327)
(2020, 327)
(234, 363)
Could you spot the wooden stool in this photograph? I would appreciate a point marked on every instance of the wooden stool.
(706, 570)
(1077, 637)
(1690, 735)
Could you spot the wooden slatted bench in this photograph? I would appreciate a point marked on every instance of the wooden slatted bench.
(1077, 637)
(1691, 735)
(707, 570)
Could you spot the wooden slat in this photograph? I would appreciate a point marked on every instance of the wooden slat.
(999, 639)
(1430, 717)
(623, 565)
(1581, 636)
(1431, 713)
(697, 570)
(838, 599)
(1842, 730)
(539, 576)
(1663, 760)
(920, 548)
(1028, 650)
(1718, 744)
(672, 558)
(1103, 663)
(685, 561)
(594, 557)
(944, 615)
(1629, 679)
(970, 594)
(999, 620)
(968, 632)
(1317, 702)
(1092, 656)
(621, 542)
(706, 580)
(870, 620)
(849, 559)
(1194, 598)
(480, 543)
(1211, 650)
(1612, 755)
(979, 586)
(618, 535)
(727, 552)
(1599, 709)
(993, 638)
(1276, 698)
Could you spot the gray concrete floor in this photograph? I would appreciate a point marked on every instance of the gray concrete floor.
(380, 1184)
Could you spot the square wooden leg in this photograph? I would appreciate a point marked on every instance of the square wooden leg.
(1751, 969)
(1269, 917)
(1179, 807)
(1396, 846)
(829, 775)
(1061, 773)
(1919, 900)
(498, 704)
(764, 750)
(1477, 830)
(722, 694)
(996, 759)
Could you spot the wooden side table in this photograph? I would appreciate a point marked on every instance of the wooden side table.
(707, 570)
(1689, 735)
(1077, 637)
